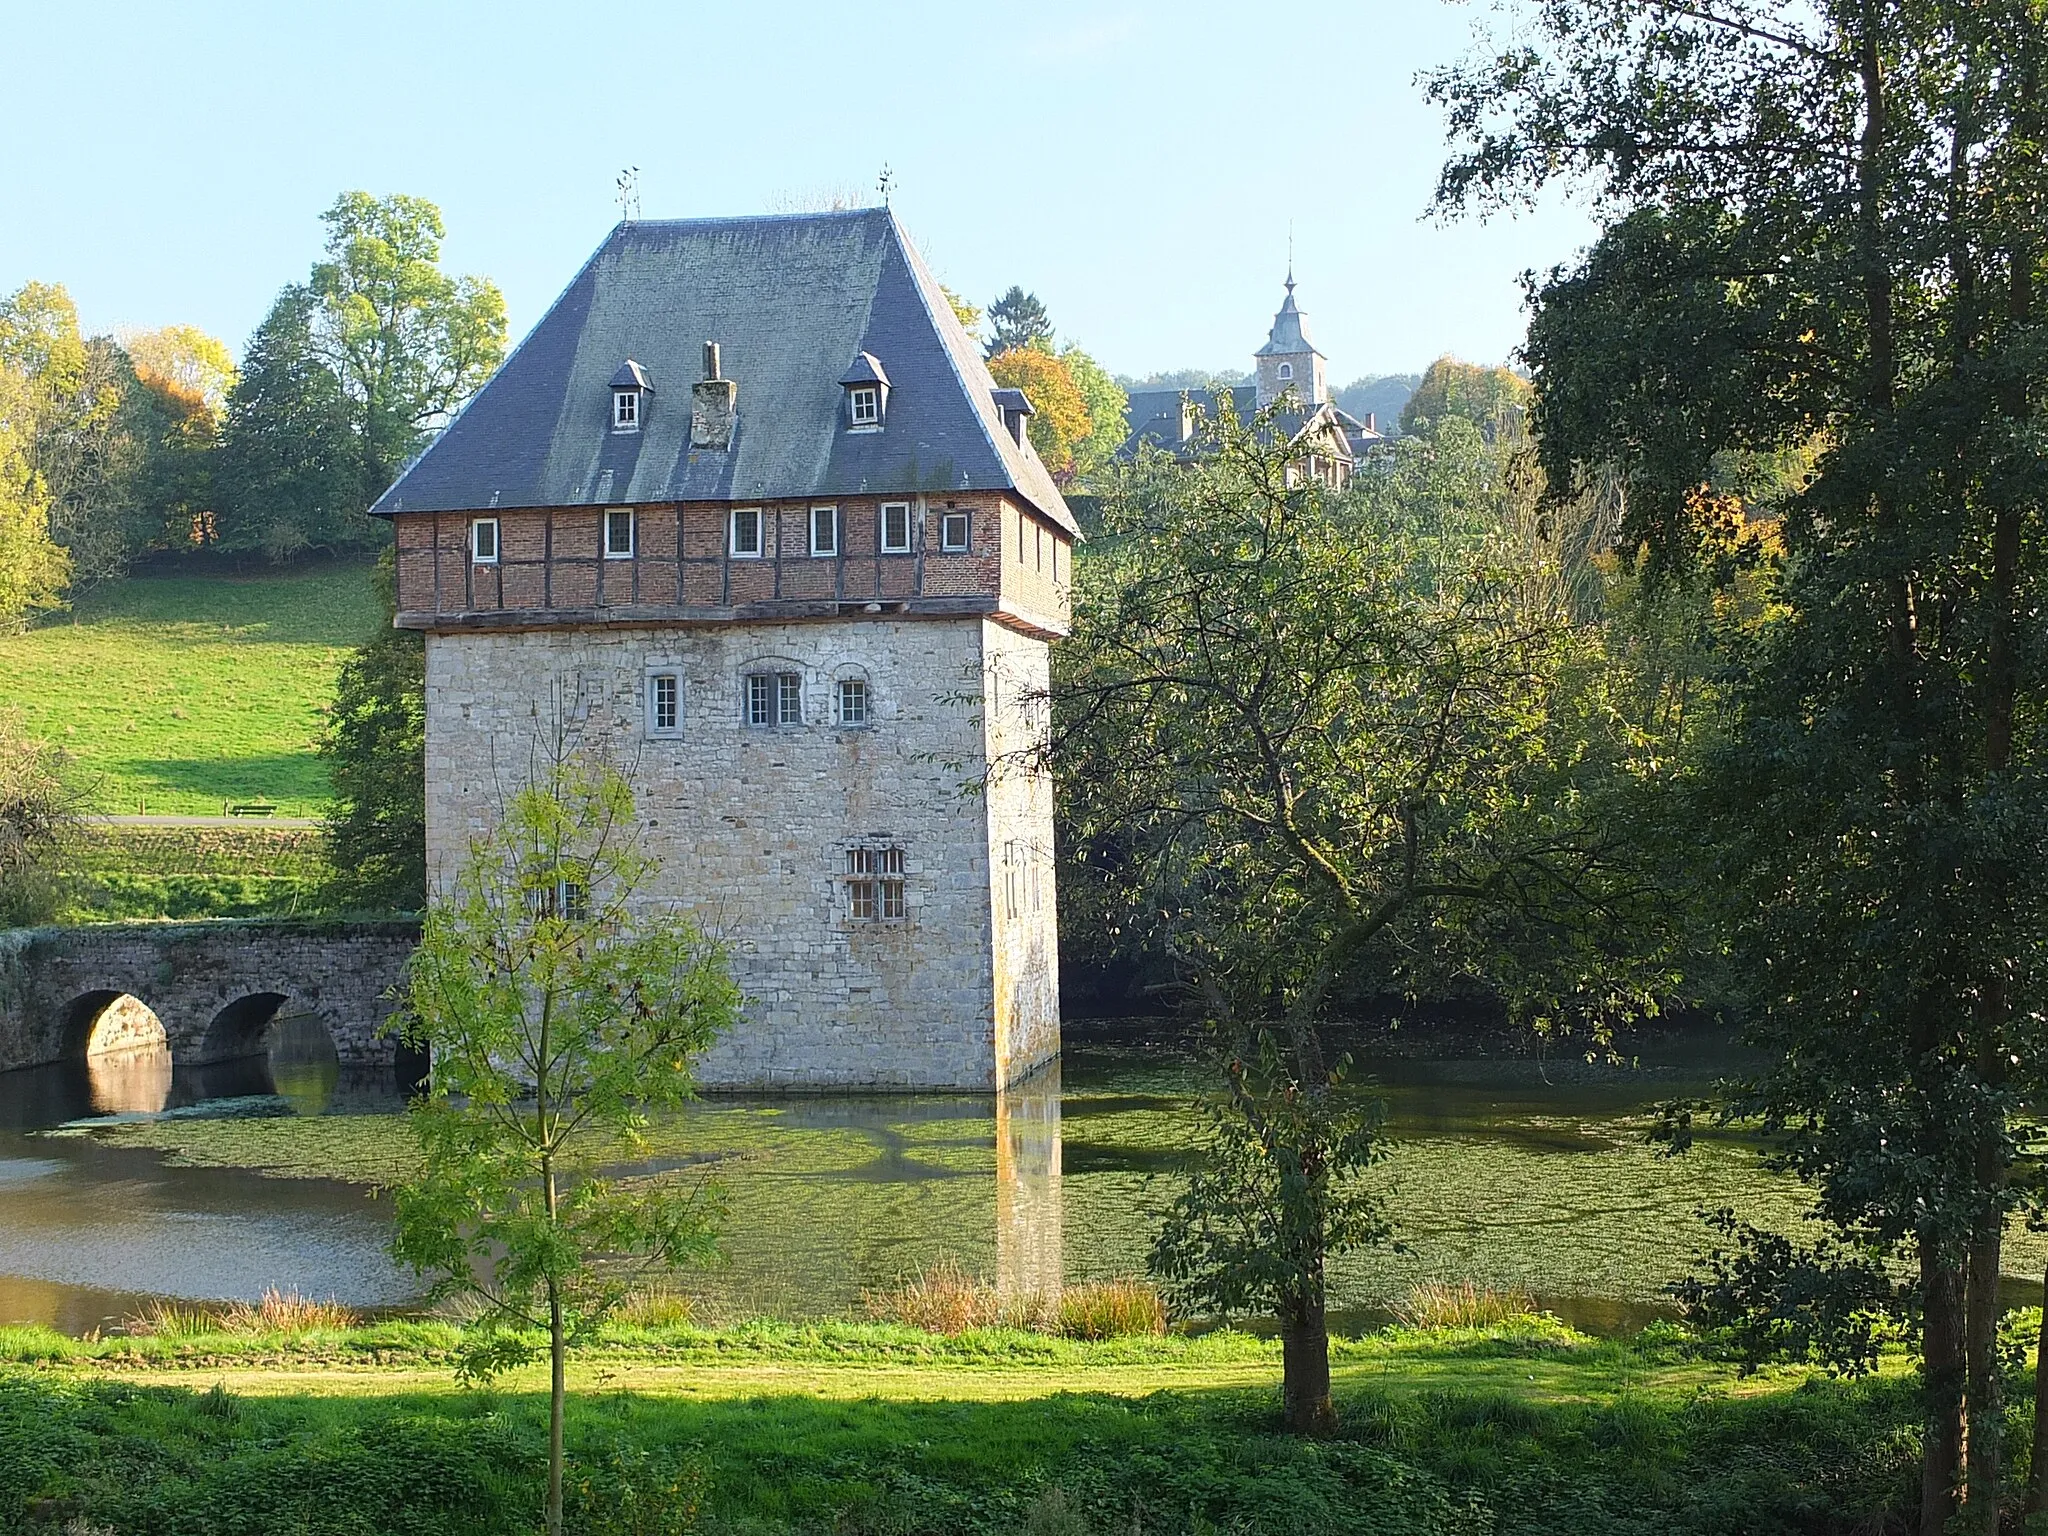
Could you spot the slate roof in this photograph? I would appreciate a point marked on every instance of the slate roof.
(793, 300)
(1289, 336)
(1154, 414)
(1155, 420)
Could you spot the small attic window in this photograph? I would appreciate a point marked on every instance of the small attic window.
(1015, 407)
(867, 393)
(630, 389)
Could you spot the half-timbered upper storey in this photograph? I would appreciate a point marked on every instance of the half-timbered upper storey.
(731, 420)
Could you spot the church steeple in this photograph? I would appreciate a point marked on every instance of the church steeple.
(1289, 360)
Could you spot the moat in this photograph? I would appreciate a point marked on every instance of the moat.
(1512, 1171)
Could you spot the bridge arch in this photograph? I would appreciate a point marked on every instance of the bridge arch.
(242, 1028)
(108, 1021)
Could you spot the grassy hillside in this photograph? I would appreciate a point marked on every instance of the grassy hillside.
(177, 693)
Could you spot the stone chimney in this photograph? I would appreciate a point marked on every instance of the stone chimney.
(712, 408)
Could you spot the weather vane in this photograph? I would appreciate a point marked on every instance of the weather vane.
(628, 192)
(884, 182)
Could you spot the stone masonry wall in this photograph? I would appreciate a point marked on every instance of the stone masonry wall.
(216, 986)
(1024, 902)
(752, 825)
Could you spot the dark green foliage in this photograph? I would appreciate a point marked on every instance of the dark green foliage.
(146, 1461)
(375, 746)
(1018, 319)
(1775, 1299)
(289, 470)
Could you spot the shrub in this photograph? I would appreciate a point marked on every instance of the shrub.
(657, 1307)
(278, 1312)
(630, 1492)
(1442, 1304)
(1111, 1309)
(945, 1298)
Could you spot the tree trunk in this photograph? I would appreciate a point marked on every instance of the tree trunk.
(557, 1382)
(2037, 1462)
(1305, 1368)
(1941, 1373)
(1984, 1396)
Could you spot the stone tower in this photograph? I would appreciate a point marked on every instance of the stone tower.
(746, 512)
(1289, 359)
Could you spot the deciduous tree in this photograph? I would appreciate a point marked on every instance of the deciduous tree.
(408, 342)
(1827, 230)
(1059, 418)
(558, 1014)
(375, 745)
(1313, 744)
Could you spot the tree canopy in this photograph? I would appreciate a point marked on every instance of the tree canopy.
(1825, 239)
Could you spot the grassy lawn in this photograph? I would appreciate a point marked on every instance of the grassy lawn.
(1521, 1428)
(177, 693)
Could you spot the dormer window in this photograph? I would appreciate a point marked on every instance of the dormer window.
(630, 389)
(1015, 407)
(867, 393)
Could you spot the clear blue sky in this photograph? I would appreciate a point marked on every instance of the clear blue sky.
(1138, 165)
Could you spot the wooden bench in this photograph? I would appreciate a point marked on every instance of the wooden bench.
(248, 808)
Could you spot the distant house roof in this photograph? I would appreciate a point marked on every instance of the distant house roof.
(1155, 420)
(788, 298)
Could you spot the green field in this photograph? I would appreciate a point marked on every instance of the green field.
(1521, 1429)
(176, 694)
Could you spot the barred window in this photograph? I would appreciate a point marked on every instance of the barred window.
(874, 885)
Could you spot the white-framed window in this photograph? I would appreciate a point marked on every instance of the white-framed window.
(1286, 372)
(953, 533)
(850, 701)
(864, 405)
(566, 899)
(618, 535)
(824, 531)
(664, 704)
(483, 541)
(625, 410)
(895, 527)
(746, 533)
(775, 698)
(874, 885)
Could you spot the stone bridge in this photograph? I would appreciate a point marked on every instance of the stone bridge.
(219, 987)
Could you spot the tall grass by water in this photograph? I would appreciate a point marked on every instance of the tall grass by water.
(279, 1311)
(945, 1298)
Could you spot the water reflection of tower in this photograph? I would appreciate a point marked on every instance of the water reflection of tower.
(1029, 1231)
